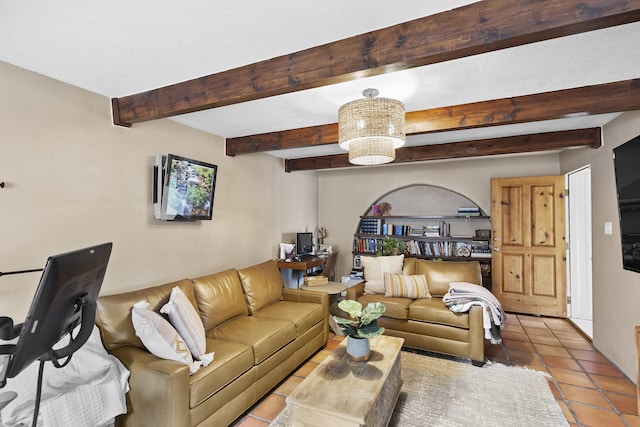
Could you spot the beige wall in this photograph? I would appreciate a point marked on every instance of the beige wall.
(616, 292)
(346, 194)
(74, 180)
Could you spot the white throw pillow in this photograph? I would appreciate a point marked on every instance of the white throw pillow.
(374, 269)
(184, 317)
(160, 338)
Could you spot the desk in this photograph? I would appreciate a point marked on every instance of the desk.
(301, 265)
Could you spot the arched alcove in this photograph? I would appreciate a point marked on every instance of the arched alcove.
(424, 199)
(433, 222)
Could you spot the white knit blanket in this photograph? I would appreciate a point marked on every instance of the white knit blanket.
(462, 296)
(89, 391)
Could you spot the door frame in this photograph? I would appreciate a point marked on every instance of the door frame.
(580, 249)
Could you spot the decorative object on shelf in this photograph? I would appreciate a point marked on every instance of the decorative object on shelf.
(384, 208)
(483, 233)
(362, 326)
(371, 128)
(357, 263)
(463, 251)
(375, 210)
(390, 246)
(321, 234)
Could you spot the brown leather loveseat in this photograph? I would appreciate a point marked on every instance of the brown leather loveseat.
(260, 332)
(427, 323)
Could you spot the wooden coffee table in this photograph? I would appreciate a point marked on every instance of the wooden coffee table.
(340, 392)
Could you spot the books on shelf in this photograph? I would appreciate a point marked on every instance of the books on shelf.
(470, 211)
(371, 226)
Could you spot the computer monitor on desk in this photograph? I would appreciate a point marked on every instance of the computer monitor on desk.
(304, 245)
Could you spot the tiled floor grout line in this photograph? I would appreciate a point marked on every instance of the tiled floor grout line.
(583, 370)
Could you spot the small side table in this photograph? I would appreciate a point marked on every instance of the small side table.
(333, 289)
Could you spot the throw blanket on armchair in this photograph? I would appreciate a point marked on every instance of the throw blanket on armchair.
(89, 391)
(462, 296)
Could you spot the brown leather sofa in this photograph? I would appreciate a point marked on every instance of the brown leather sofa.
(426, 323)
(260, 332)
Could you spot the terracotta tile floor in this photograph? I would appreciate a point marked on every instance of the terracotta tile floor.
(590, 389)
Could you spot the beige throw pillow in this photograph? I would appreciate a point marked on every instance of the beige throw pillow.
(185, 318)
(374, 269)
(398, 285)
(160, 338)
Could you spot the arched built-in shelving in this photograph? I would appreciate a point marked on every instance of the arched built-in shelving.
(434, 222)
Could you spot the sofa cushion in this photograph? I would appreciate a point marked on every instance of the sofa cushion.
(440, 273)
(232, 360)
(262, 285)
(374, 269)
(219, 297)
(186, 319)
(400, 285)
(113, 315)
(397, 308)
(159, 337)
(409, 266)
(302, 314)
(433, 310)
(265, 336)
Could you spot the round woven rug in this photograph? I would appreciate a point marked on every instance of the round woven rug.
(447, 393)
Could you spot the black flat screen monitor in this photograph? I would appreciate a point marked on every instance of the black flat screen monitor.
(627, 170)
(67, 278)
(304, 243)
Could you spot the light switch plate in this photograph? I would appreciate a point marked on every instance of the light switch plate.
(608, 227)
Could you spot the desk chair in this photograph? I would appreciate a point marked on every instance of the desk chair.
(329, 269)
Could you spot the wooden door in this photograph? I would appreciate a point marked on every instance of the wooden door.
(529, 250)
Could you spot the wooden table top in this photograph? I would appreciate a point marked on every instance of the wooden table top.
(330, 288)
(301, 265)
(349, 388)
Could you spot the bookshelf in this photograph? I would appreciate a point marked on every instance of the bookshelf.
(448, 237)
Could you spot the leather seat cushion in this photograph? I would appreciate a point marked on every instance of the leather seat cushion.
(433, 310)
(302, 314)
(397, 308)
(230, 361)
(265, 336)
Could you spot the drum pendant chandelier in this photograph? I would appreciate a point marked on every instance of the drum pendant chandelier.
(371, 129)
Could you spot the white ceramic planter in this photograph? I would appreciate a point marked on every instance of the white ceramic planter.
(358, 349)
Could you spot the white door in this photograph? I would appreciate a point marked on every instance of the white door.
(580, 308)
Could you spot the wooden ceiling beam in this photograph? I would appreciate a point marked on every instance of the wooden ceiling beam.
(588, 100)
(469, 30)
(484, 147)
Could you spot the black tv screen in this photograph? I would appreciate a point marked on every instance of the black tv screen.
(184, 188)
(65, 297)
(627, 169)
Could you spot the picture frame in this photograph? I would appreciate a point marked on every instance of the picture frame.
(357, 263)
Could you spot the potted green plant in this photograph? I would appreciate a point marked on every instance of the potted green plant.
(360, 327)
(390, 246)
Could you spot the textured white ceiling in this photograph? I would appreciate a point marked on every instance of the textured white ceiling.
(117, 48)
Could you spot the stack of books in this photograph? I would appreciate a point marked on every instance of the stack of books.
(471, 211)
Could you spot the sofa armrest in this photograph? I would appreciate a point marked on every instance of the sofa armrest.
(298, 295)
(356, 291)
(159, 390)
(476, 334)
